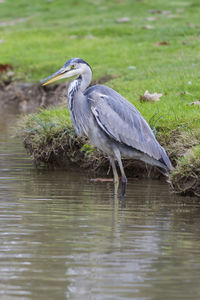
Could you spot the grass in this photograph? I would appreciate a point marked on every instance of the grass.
(47, 33)
(186, 177)
(50, 138)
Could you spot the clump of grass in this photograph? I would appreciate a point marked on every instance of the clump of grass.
(184, 152)
(177, 142)
(50, 138)
(185, 178)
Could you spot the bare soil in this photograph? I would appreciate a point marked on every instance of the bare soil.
(26, 97)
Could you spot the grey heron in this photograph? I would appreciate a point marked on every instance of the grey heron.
(110, 121)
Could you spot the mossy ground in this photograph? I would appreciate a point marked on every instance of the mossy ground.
(157, 50)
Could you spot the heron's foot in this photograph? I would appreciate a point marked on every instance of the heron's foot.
(101, 179)
(124, 181)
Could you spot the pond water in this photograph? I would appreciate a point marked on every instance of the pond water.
(64, 237)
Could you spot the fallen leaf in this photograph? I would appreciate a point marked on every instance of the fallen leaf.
(150, 97)
(73, 36)
(185, 43)
(173, 16)
(184, 93)
(151, 19)
(159, 11)
(163, 43)
(5, 68)
(194, 103)
(123, 20)
(193, 25)
(148, 27)
(1, 41)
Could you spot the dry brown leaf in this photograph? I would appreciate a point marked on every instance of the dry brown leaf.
(163, 43)
(123, 20)
(148, 27)
(193, 25)
(159, 11)
(147, 97)
(185, 43)
(184, 93)
(173, 16)
(151, 19)
(73, 36)
(5, 68)
(194, 103)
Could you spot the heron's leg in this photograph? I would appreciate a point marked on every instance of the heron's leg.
(124, 179)
(115, 175)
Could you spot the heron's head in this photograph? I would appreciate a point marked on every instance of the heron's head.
(73, 67)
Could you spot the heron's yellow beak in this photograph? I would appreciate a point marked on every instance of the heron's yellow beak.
(53, 79)
(56, 76)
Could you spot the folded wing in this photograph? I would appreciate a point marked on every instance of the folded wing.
(119, 119)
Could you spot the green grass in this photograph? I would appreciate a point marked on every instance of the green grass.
(54, 31)
(186, 177)
(45, 40)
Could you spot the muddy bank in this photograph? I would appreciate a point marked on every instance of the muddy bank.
(26, 97)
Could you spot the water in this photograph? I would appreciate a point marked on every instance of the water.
(63, 237)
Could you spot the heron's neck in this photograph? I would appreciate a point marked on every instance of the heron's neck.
(85, 80)
(77, 102)
(80, 83)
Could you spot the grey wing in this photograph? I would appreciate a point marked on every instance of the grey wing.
(123, 123)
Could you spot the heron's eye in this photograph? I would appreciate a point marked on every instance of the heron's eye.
(72, 66)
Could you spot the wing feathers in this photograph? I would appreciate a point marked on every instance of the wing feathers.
(122, 122)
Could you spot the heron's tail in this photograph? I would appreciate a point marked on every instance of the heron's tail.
(164, 171)
(167, 166)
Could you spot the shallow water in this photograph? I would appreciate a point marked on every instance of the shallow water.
(63, 237)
